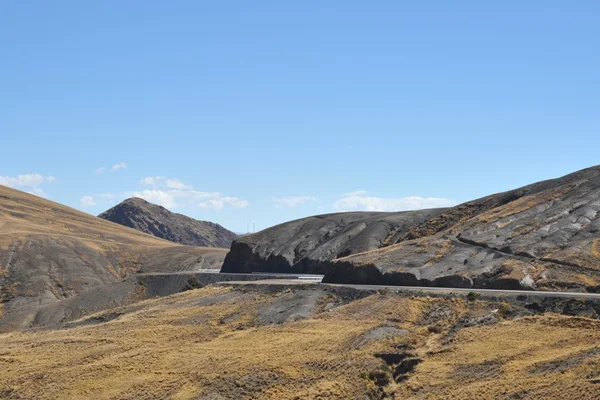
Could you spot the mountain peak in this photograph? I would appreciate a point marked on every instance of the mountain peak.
(158, 221)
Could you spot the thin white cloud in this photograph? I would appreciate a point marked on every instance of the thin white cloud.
(118, 166)
(152, 180)
(360, 201)
(87, 201)
(22, 180)
(159, 197)
(219, 202)
(27, 182)
(292, 201)
(173, 193)
(173, 198)
(177, 184)
(100, 170)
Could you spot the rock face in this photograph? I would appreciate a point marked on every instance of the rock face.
(49, 252)
(306, 245)
(160, 222)
(542, 236)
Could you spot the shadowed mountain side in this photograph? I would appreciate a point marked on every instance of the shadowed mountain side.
(49, 252)
(158, 221)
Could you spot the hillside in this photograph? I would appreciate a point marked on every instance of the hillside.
(155, 220)
(303, 245)
(49, 252)
(545, 235)
(307, 342)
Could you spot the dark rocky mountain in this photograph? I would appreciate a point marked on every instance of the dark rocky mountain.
(541, 236)
(50, 252)
(303, 245)
(157, 221)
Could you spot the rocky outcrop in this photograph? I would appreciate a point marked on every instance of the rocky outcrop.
(305, 245)
(541, 236)
(157, 221)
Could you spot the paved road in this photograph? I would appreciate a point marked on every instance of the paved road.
(305, 279)
(216, 271)
(441, 290)
(490, 292)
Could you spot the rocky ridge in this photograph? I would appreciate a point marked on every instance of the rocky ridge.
(157, 221)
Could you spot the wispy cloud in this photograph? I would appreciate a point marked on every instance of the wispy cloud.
(292, 201)
(114, 168)
(155, 196)
(27, 182)
(87, 201)
(152, 180)
(118, 166)
(361, 201)
(172, 198)
(177, 184)
(218, 202)
(173, 193)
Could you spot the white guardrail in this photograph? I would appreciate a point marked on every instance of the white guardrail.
(303, 277)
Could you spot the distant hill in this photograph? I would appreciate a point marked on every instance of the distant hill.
(542, 236)
(157, 221)
(50, 252)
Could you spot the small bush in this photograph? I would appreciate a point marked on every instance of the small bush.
(472, 296)
(192, 283)
(505, 310)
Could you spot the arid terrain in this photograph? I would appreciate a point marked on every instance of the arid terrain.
(542, 236)
(157, 221)
(49, 252)
(310, 342)
(93, 309)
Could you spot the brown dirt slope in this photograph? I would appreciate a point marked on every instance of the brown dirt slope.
(158, 221)
(49, 252)
(227, 343)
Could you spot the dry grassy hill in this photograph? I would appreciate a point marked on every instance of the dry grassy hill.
(309, 343)
(49, 252)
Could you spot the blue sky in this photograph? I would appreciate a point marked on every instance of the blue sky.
(261, 112)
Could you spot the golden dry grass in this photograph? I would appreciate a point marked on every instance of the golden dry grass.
(25, 218)
(185, 347)
(442, 251)
(547, 357)
(596, 248)
(523, 204)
